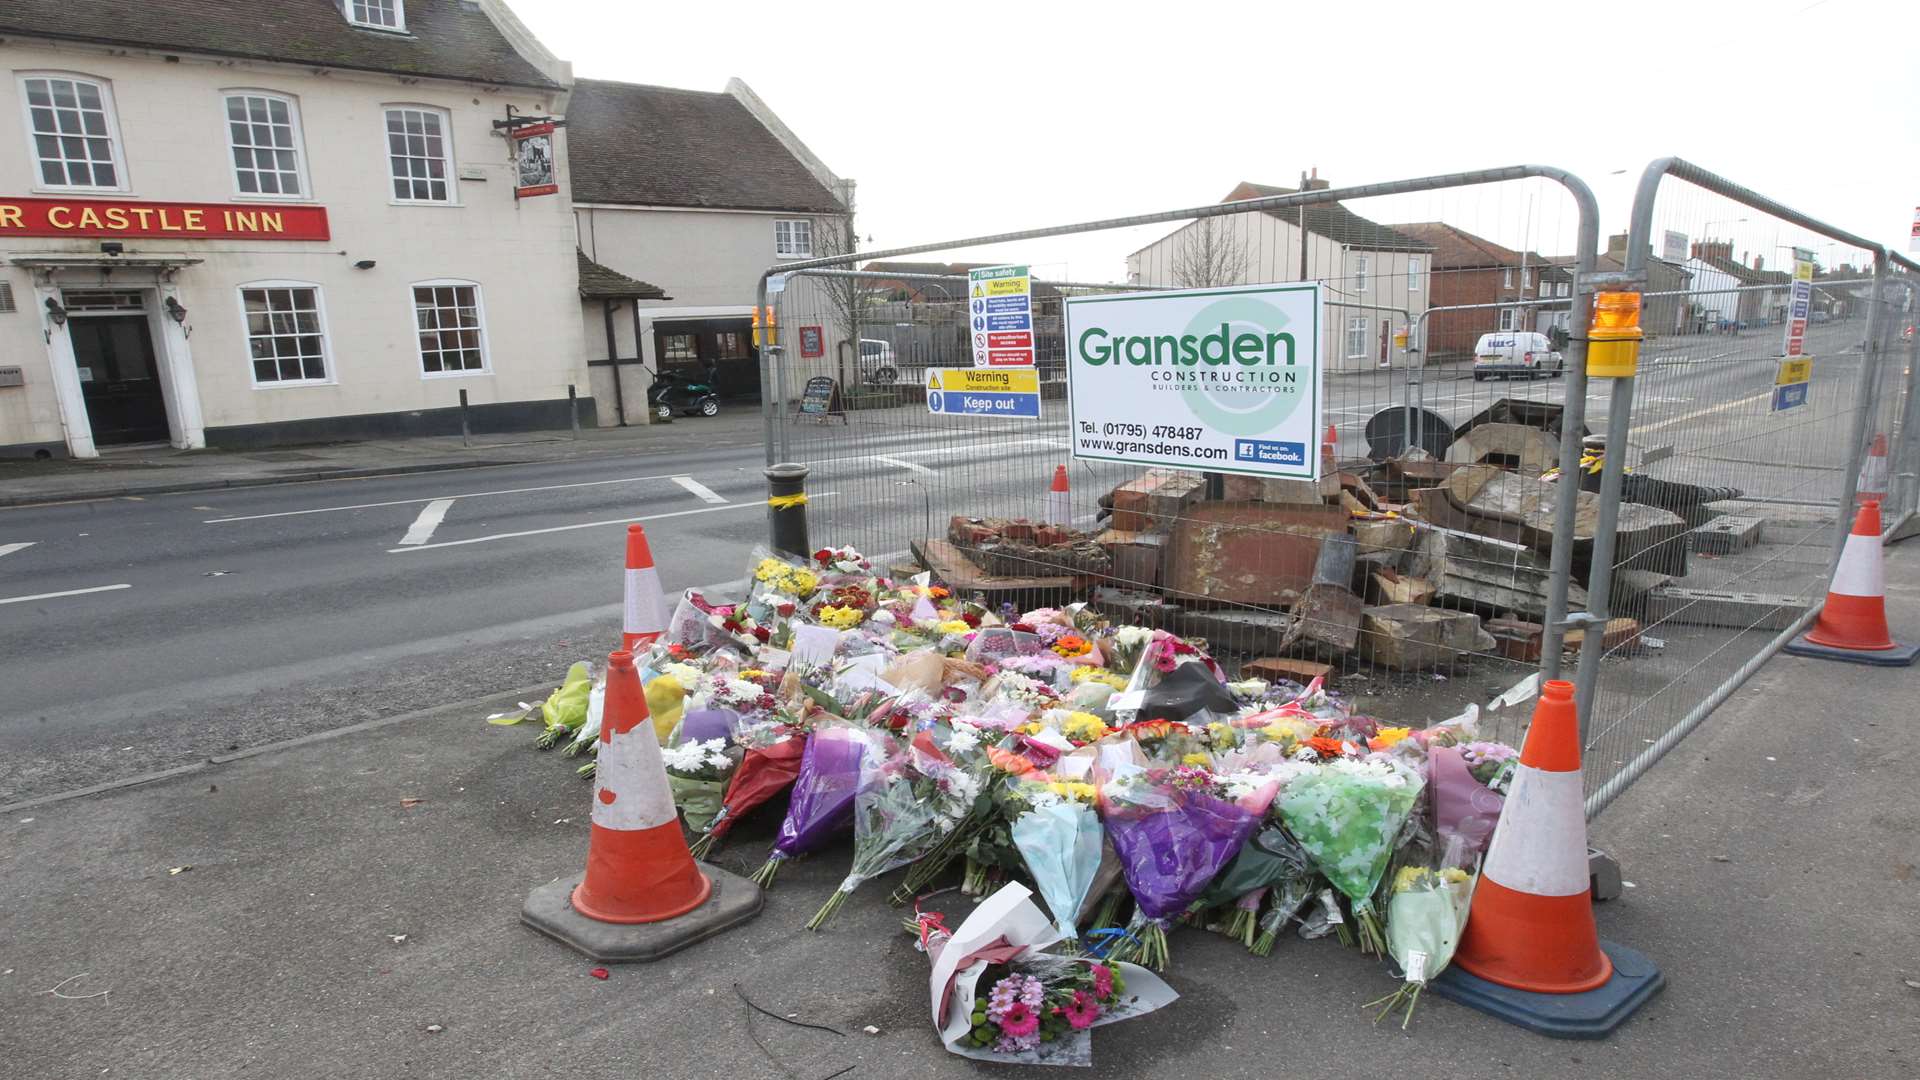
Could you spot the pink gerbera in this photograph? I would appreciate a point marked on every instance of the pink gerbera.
(1019, 1021)
(1082, 1011)
(1102, 981)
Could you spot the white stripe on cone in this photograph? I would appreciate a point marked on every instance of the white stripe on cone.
(1059, 508)
(630, 767)
(1860, 572)
(1540, 846)
(646, 610)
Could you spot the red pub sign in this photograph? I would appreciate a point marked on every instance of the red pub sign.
(162, 221)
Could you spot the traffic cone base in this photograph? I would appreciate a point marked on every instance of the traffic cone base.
(1530, 953)
(1852, 626)
(549, 909)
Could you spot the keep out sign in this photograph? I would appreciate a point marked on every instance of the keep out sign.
(151, 220)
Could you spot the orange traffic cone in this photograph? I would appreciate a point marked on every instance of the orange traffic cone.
(1853, 623)
(1530, 953)
(646, 607)
(642, 896)
(1873, 474)
(638, 869)
(1531, 926)
(1059, 499)
(1331, 444)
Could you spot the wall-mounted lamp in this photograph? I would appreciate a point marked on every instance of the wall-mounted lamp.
(364, 264)
(178, 313)
(112, 247)
(56, 315)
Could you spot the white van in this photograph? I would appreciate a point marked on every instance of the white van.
(1516, 352)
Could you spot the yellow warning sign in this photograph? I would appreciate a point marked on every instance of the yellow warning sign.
(1794, 371)
(984, 380)
(1013, 286)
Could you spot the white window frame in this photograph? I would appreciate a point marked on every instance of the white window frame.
(1362, 276)
(115, 145)
(480, 311)
(1506, 320)
(446, 144)
(299, 144)
(793, 251)
(1564, 288)
(1506, 277)
(1526, 277)
(320, 313)
(1416, 265)
(1357, 325)
(399, 17)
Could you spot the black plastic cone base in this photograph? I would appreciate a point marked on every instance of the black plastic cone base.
(549, 909)
(1898, 656)
(1592, 1015)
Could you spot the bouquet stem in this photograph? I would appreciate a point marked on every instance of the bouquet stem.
(770, 869)
(1241, 926)
(550, 737)
(1372, 939)
(1408, 995)
(704, 846)
(577, 747)
(587, 771)
(829, 909)
(1263, 945)
(1109, 910)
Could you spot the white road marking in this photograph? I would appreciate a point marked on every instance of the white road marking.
(590, 525)
(705, 493)
(896, 462)
(431, 498)
(429, 520)
(1684, 417)
(55, 595)
(8, 549)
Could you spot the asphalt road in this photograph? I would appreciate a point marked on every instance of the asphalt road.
(139, 634)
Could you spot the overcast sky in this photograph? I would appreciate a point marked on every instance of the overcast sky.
(959, 120)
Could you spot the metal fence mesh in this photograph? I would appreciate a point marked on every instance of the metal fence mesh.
(1420, 571)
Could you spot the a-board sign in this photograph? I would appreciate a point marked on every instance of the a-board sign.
(1000, 316)
(820, 399)
(1214, 380)
(984, 392)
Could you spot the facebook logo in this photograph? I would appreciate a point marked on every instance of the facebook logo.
(1270, 452)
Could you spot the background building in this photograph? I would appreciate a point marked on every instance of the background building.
(697, 193)
(283, 221)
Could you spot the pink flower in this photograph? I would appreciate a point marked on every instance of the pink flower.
(1019, 1021)
(1102, 981)
(1081, 1012)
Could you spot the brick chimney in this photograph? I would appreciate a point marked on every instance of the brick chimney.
(1759, 261)
(1707, 249)
(1313, 182)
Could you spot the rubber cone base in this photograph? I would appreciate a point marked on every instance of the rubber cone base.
(1898, 656)
(549, 909)
(1590, 1015)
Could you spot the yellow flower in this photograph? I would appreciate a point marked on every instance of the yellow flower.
(799, 582)
(1387, 736)
(1088, 673)
(1201, 760)
(769, 569)
(752, 673)
(1407, 878)
(840, 618)
(1034, 728)
(954, 626)
(1083, 727)
(1454, 875)
(1220, 734)
(1078, 792)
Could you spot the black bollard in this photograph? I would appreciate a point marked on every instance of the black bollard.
(787, 508)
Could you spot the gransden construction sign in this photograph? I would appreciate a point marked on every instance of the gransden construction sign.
(154, 220)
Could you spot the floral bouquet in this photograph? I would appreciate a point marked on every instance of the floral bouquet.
(1173, 831)
(823, 793)
(772, 760)
(1426, 914)
(963, 745)
(1269, 860)
(908, 801)
(1347, 814)
(697, 774)
(1466, 805)
(565, 710)
(1037, 1008)
(1060, 838)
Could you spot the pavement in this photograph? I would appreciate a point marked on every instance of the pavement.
(293, 913)
(152, 470)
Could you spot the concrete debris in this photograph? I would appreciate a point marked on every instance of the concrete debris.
(1726, 534)
(1474, 571)
(1015, 547)
(1279, 668)
(1391, 587)
(1136, 556)
(1517, 446)
(1409, 637)
(1252, 554)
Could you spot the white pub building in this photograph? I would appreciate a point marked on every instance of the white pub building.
(239, 224)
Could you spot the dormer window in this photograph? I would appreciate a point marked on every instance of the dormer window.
(378, 14)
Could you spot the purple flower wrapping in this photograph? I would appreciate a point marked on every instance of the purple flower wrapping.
(1463, 808)
(823, 792)
(1170, 852)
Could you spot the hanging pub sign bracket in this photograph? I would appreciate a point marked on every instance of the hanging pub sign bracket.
(530, 146)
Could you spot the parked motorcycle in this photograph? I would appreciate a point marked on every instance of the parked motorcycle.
(677, 392)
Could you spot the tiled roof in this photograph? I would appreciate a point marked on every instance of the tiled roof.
(445, 38)
(1334, 221)
(1746, 275)
(657, 146)
(1455, 248)
(603, 283)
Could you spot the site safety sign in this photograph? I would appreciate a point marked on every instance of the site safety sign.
(1212, 380)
